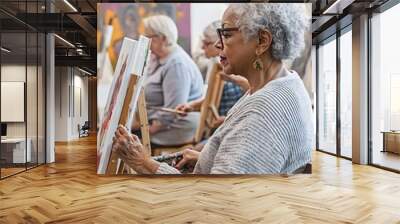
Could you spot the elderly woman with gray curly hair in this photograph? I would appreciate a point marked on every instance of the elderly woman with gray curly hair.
(269, 130)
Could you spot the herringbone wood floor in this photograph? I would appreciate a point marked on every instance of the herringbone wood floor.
(69, 191)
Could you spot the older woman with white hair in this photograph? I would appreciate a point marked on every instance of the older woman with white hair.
(269, 131)
(173, 78)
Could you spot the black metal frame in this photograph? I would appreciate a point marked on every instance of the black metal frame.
(316, 103)
(338, 95)
(35, 164)
(221, 35)
(0, 90)
(369, 83)
(328, 39)
(26, 89)
(337, 36)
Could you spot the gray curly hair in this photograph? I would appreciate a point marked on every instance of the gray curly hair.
(286, 22)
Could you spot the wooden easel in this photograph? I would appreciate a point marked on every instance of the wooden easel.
(123, 99)
(115, 165)
(209, 108)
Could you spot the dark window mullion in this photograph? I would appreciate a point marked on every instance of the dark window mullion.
(37, 90)
(369, 83)
(316, 104)
(46, 35)
(0, 96)
(26, 86)
(338, 95)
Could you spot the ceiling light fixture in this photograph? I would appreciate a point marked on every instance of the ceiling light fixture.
(70, 5)
(5, 50)
(64, 40)
(337, 7)
(84, 71)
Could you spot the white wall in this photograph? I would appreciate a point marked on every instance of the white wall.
(61, 103)
(201, 15)
(70, 83)
(80, 84)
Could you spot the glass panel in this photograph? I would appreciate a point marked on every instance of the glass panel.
(41, 99)
(386, 89)
(314, 95)
(346, 94)
(32, 88)
(22, 77)
(13, 86)
(31, 97)
(327, 97)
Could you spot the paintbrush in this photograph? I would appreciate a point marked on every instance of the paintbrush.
(162, 158)
(165, 109)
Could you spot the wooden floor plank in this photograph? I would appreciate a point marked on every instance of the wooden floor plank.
(69, 191)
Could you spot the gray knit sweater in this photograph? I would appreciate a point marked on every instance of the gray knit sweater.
(268, 132)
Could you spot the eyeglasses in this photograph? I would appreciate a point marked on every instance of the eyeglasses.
(223, 34)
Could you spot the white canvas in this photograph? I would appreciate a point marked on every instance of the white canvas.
(12, 101)
(132, 60)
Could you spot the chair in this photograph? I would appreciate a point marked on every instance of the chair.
(84, 130)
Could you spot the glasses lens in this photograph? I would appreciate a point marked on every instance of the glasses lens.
(220, 38)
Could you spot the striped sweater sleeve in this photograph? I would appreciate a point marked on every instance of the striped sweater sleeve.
(166, 169)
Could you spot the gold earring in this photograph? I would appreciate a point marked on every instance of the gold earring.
(258, 64)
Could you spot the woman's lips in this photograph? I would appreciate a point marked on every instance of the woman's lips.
(223, 60)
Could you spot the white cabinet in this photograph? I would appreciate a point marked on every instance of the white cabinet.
(15, 148)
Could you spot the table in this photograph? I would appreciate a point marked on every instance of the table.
(13, 150)
(391, 141)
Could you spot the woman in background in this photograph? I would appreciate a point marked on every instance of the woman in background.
(173, 78)
(231, 92)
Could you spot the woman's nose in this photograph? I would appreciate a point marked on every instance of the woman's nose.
(218, 45)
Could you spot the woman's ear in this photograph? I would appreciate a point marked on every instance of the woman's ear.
(264, 41)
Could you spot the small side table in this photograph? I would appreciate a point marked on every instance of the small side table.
(13, 150)
(391, 141)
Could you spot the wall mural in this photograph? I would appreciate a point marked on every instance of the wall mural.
(126, 20)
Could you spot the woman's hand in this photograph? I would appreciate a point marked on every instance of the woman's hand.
(217, 122)
(155, 127)
(190, 158)
(184, 109)
(132, 152)
(237, 79)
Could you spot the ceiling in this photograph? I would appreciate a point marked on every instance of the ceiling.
(32, 16)
(79, 27)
